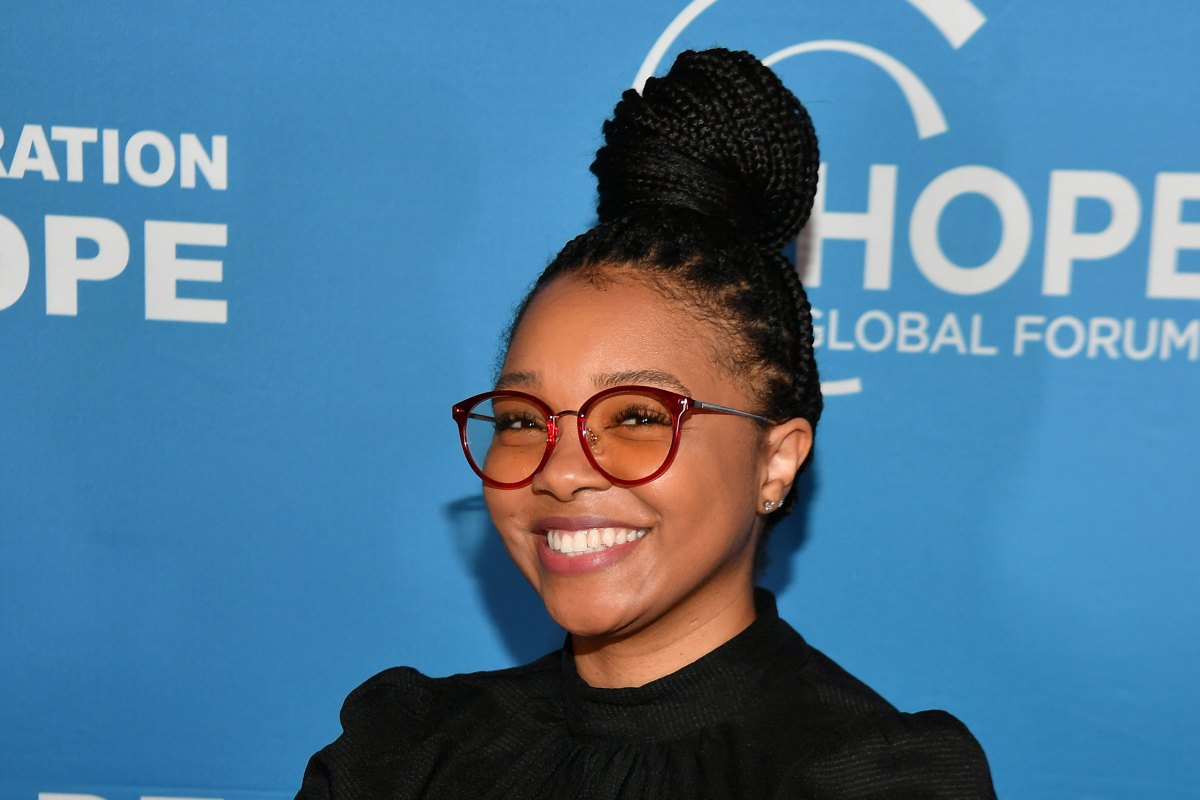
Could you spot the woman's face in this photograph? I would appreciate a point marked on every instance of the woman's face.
(700, 519)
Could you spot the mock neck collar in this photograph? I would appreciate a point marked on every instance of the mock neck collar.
(696, 696)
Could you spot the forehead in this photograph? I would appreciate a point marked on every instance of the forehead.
(581, 336)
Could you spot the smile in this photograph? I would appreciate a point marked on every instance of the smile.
(593, 540)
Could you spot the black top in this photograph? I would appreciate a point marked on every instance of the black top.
(762, 716)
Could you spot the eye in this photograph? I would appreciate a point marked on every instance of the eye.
(640, 416)
(518, 421)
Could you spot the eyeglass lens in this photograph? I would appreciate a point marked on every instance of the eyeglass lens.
(629, 435)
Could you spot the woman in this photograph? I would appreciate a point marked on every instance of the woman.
(657, 400)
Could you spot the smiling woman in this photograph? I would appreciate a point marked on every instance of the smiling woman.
(657, 400)
(682, 587)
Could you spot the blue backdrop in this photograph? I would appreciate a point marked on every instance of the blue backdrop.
(249, 255)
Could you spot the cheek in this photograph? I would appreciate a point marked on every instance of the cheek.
(503, 506)
(716, 477)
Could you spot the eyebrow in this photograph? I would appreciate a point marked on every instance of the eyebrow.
(641, 376)
(523, 380)
(656, 377)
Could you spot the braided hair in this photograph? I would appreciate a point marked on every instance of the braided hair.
(703, 178)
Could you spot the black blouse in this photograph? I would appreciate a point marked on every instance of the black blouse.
(763, 716)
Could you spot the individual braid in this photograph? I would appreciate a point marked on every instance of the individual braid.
(703, 178)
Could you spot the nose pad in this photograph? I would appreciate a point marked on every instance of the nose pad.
(569, 467)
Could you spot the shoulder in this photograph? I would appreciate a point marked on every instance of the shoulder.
(852, 743)
(403, 711)
(930, 754)
(402, 696)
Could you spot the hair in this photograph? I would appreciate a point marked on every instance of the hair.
(703, 178)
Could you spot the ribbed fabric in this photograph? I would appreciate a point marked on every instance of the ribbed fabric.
(762, 716)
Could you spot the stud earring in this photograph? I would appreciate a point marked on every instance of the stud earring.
(771, 505)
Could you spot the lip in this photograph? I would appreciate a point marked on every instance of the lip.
(560, 564)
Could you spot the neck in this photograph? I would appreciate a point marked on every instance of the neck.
(687, 632)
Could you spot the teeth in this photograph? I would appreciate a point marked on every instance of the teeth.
(574, 543)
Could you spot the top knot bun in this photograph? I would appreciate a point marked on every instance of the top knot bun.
(719, 134)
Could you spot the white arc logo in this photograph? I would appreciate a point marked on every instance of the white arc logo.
(956, 20)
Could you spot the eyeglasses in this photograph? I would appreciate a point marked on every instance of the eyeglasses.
(630, 434)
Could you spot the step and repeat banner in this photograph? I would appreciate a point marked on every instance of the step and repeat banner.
(251, 253)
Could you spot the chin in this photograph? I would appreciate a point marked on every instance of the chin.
(586, 614)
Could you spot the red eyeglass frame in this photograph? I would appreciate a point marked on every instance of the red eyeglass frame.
(679, 406)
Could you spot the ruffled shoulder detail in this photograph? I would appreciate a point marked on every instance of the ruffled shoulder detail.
(895, 756)
(396, 724)
(402, 696)
(377, 718)
(394, 695)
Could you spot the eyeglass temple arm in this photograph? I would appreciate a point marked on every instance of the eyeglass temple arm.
(727, 410)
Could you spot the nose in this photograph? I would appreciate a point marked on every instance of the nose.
(568, 470)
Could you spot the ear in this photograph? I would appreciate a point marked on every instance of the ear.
(785, 447)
